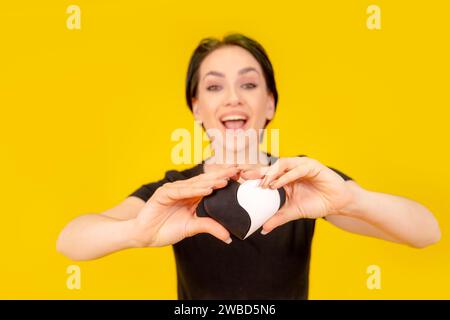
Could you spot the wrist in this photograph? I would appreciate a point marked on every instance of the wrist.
(355, 207)
(133, 235)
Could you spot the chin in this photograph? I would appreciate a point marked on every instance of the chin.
(236, 149)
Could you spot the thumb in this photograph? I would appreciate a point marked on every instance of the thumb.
(207, 225)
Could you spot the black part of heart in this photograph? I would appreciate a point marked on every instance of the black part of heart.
(282, 194)
(222, 205)
(201, 211)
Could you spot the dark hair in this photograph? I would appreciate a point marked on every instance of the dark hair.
(208, 45)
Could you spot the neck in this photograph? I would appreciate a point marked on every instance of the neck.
(240, 157)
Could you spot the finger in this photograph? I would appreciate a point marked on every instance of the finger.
(279, 168)
(207, 225)
(254, 173)
(218, 183)
(278, 219)
(217, 174)
(214, 183)
(245, 167)
(167, 195)
(307, 170)
(274, 171)
(236, 177)
(210, 176)
(179, 193)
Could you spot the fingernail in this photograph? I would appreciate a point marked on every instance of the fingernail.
(228, 241)
(272, 185)
(264, 232)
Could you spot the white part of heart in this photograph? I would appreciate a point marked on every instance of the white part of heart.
(260, 204)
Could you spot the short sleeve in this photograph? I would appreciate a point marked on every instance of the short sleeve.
(145, 191)
(343, 175)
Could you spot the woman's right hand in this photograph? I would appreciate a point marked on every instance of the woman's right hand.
(169, 215)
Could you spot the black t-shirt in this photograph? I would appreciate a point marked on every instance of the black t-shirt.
(272, 266)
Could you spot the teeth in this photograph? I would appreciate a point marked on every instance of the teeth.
(230, 118)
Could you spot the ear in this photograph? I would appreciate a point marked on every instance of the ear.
(195, 110)
(270, 111)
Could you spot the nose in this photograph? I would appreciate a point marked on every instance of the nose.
(233, 99)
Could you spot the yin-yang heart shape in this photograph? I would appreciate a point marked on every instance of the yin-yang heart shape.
(242, 208)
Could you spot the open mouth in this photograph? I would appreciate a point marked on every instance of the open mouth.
(234, 122)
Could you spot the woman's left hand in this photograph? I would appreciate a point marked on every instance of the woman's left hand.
(312, 189)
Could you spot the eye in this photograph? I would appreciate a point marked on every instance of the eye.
(213, 88)
(249, 85)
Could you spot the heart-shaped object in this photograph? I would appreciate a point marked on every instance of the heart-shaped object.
(242, 208)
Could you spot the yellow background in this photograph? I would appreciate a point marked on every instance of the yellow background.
(86, 117)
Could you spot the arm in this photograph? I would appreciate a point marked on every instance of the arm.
(166, 218)
(314, 191)
(92, 236)
(388, 217)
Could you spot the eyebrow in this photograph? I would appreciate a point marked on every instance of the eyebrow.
(248, 69)
(220, 74)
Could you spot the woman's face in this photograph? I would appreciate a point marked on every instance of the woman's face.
(232, 93)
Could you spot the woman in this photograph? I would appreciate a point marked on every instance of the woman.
(231, 86)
